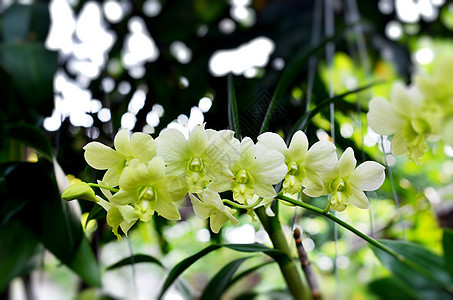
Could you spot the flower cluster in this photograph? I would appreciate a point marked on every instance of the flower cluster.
(149, 176)
(419, 112)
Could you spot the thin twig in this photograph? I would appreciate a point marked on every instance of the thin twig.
(306, 266)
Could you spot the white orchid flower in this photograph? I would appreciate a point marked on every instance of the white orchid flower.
(200, 157)
(252, 173)
(140, 146)
(405, 117)
(148, 188)
(211, 206)
(118, 216)
(347, 183)
(304, 167)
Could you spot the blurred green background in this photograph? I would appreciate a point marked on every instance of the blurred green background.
(76, 71)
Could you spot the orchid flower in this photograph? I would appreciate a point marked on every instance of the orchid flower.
(252, 173)
(304, 166)
(211, 206)
(140, 146)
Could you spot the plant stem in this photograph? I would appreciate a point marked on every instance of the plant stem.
(287, 266)
(370, 240)
(237, 205)
(103, 187)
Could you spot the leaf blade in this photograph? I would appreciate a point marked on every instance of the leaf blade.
(135, 259)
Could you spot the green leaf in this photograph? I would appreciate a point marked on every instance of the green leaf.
(433, 265)
(85, 265)
(52, 220)
(219, 282)
(32, 68)
(135, 259)
(31, 136)
(247, 272)
(391, 288)
(291, 72)
(448, 250)
(25, 22)
(302, 123)
(18, 250)
(233, 116)
(186, 263)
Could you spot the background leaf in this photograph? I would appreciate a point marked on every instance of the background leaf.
(31, 136)
(448, 250)
(433, 264)
(220, 281)
(137, 258)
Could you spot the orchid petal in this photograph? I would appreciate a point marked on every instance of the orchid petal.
(298, 146)
(347, 162)
(122, 142)
(172, 146)
(143, 147)
(369, 176)
(101, 157)
(134, 175)
(382, 118)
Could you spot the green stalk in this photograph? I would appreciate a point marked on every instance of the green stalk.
(362, 235)
(103, 187)
(287, 266)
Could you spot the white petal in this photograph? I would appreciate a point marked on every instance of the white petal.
(222, 183)
(111, 177)
(122, 142)
(201, 210)
(298, 146)
(125, 197)
(168, 210)
(217, 220)
(404, 99)
(143, 147)
(198, 140)
(369, 176)
(272, 141)
(156, 170)
(321, 157)
(264, 190)
(172, 146)
(247, 157)
(358, 199)
(382, 118)
(223, 149)
(269, 168)
(101, 157)
(399, 146)
(347, 162)
(134, 175)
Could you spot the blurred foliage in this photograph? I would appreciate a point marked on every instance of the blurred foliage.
(33, 217)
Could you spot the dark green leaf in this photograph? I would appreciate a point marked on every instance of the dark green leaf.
(391, 288)
(448, 250)
(26, 22)
(51, 219)
(425, 260)
(31, 136)
(32, 68)
(135, 259)
(233, 116)
(247, 272)
(302, 123)
(186, 263)
(85, 265)
(18, 250)
(219, 283)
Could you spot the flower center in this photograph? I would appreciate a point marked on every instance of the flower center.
(242, 177)
(146, 193)
(196, 165)
(338, 185)
(292, 168)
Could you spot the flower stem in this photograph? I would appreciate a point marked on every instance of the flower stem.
(103, 187)
(370, 240)
(287, 266)
(237, 205)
